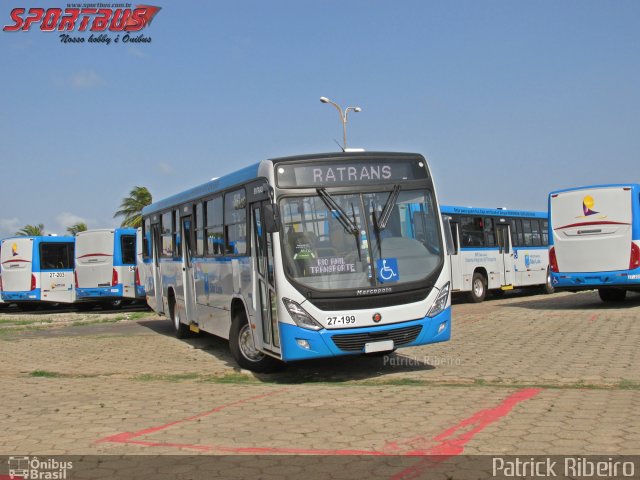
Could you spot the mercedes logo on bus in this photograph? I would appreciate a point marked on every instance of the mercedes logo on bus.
(377, 317)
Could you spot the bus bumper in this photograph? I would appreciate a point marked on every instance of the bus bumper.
(322, 343)
(589, 281)
(27, 296)
(99, 293)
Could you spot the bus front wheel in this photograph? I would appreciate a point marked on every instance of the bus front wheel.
(478, 288)
(244, 350)
(548, 284)
(612, 294)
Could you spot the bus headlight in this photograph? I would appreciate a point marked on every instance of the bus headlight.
(441, 301)
(300, 316)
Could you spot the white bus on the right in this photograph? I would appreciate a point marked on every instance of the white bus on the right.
(594, 238)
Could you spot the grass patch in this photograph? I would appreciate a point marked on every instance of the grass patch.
(16, 321)
(628, 385)
(139, 315)
(45, 374)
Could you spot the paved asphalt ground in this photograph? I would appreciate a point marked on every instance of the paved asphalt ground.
(523, 375)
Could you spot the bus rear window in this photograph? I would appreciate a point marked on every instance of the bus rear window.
(128, 243)
(56, 256)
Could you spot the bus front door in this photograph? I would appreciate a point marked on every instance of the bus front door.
(188, 285)
(505, 257)
(266, 332)
(455, 257)
(157, 274)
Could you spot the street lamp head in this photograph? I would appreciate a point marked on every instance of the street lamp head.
(357, 109)
(324, 100)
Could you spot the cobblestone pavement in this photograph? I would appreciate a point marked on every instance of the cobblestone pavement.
(530, 374)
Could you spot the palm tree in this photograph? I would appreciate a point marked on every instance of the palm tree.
(78, 227)
(131, 207)
(31, 231)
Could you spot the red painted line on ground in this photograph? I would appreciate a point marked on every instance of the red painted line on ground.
(593, 317)
(125, 437)
(450, 445)
(441, 446)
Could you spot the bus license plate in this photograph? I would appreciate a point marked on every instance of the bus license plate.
(384, 346)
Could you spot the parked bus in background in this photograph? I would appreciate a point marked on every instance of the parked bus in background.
(497, 249)
(37, 269)
(304, 257)
(595, 239)
(106, 267)
(3, 304)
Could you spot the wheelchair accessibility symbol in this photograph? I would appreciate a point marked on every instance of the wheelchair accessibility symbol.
(387, 270)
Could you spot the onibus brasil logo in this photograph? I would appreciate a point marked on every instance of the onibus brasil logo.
(105, 21)
(33, 468)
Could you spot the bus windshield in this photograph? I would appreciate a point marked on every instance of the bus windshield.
(397, 239)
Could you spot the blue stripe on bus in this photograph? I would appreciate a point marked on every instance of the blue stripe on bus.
(100, 292)
(494, 212)
(590, 280)
(29, 296)
(244, 175)
(322, 345)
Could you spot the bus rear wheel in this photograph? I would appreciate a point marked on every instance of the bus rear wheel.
(612, 294)
(180, 330)
(548, 284)
(478, 288)
(243, 348)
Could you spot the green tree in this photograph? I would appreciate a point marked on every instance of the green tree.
(78, 227)
(31, 230)
(131, 207)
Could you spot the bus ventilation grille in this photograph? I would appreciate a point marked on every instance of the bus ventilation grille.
(354, 342)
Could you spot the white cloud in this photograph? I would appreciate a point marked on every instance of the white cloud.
(87, 79)
(9, 226)
(136, 52)
(67, 219)
(165, 168)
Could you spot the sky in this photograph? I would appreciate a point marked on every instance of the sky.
(508, 100)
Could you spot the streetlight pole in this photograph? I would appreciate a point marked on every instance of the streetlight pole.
(343, 117)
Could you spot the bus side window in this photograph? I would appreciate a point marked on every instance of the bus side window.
(489, 232)
(535, 232)
(177, 240)
(235, 222)
(199, 229)
(471, 232)
(166, 229)
(545, 233)
(214, 235)
(526, 229)
(146, 238)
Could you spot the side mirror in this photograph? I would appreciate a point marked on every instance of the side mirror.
(271, 218)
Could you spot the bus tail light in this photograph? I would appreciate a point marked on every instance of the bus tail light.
(33, 282)
(75, 278)
(635, 256)
(300, 316)
(553, 260)
(137, 277)
(0, 284)
(441, 301)
(114, 278)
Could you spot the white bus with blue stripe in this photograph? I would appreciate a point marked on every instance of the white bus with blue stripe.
(37, 269)
(106, 271)
(304, 257)
(497, 249)
(595, 239)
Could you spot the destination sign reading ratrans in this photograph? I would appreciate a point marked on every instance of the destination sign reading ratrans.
(353, 172)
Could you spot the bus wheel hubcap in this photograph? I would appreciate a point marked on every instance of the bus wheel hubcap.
(176, 319)
(477, 288)
(247, 347)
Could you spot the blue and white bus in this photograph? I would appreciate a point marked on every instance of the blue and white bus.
(595, 239)
(37, 269)
(497, 249)
(105, 263)
(304, 257)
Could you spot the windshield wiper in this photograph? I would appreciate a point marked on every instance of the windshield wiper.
(381, 222)
(342, 216)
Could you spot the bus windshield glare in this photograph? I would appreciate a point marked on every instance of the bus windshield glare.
(396, 239)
